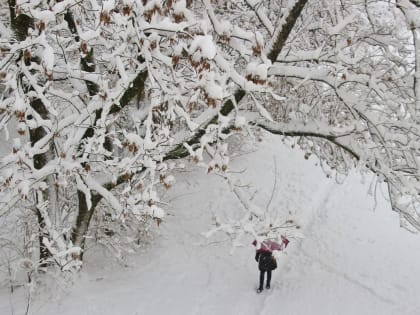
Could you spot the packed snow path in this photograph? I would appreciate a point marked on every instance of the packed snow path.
(352, 257)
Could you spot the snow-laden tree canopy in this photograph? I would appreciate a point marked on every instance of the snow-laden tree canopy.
(100, 99)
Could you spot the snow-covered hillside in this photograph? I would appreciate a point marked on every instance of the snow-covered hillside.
(349, 257)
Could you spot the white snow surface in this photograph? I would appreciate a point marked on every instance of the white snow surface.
(352, 258)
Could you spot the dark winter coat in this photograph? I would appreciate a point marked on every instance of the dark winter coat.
(266, 261)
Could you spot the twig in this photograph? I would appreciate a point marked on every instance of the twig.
(29, 302)
(275, 184)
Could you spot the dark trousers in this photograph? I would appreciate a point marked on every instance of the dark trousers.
(262, 272)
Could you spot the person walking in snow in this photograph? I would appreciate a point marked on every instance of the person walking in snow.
(266, 261)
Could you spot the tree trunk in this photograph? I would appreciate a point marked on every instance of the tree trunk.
(20, 25)
(40, 160)
(84, 216)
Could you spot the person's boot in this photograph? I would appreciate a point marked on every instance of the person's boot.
(259, 290)
(267, 286)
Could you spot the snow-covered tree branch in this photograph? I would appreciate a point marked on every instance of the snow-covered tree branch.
(100, 99)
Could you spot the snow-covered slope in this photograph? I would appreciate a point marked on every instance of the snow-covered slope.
(352, 257)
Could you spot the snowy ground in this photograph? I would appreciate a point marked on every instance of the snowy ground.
(352, 259)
